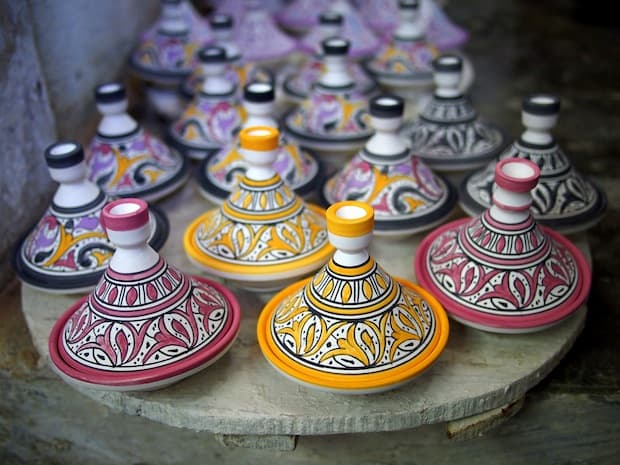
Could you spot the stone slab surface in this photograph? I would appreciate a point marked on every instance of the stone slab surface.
(242, 395)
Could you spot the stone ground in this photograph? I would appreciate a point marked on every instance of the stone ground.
(570, 418)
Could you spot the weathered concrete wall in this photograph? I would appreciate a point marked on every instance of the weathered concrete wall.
(52, 54)
(83, 43)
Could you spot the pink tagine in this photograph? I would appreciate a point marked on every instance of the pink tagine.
(501, 271)
(146, 325)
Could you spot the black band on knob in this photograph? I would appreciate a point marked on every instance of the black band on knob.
(212, 55)
(335, 46)
(387, 106)
(221, 21)
(259, 92)
(448, 63)
(64, 154)
(541, 104)
(110, 92)
(408, 4)
(330, 17)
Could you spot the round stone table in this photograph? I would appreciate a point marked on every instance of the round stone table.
(479, 379)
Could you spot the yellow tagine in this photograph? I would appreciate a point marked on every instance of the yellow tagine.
(264, 236)
(352, 328)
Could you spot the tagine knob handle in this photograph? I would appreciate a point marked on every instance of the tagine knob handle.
(386, 117)
(172, 20)
(349, 227)
(330, 23)
(447, 73)
(409, 25)
(259, 147)
(65, 161)
(539, 115)
(335, 51)
(111, 100)
(514, 179)
(259, 102)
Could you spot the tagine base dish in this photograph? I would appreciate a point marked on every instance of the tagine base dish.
(241, 394)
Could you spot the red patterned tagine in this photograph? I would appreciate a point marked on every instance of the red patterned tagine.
(239, 71)
(126, 160)
(67, 250)
(146, 325)
(352, 328)
(334, 117)
(448, 133)
(502, 272)
(298, 85)
(264, 236)
(220, 174)
(564, 199)
(406, 195)
(214, 116)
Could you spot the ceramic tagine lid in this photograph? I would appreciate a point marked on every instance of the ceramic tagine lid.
(364, 43)
(563, 198)
(126, 160)
(146, 325)
(300, 15)
(380, 15)
(406, 195)
(67, 250)
(259, 37)
(334, 117)
(407, 60)
(220, 174)
(440, 29)
(239, 72)
(213, 117)
(166, 53)
(298, 85)
(352, 328)
(501, 271)
(263, 236)
(448, 135)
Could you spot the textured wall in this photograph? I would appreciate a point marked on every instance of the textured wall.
(52, 54)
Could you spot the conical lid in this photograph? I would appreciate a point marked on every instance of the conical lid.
(263, 235)
(563, 198)
(221, 173)
(239, 71)
(501, 271)
(301, 15)
(299, 84)
(380, 15)
(147, 324)
(334, 116)
(448, 134)
(166, 52)
(406, 60)
(352, 328)
(440, 29)
(213, 117)
(259, 37)
(363, 40)
(67, 250)
(126, 160)
(406, 195)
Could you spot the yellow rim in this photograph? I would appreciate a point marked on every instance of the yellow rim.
(317, 259)
(259, 138)
(334, 381)
(341, 224)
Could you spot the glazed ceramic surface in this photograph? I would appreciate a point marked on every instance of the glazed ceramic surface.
(126, 160)
(222, 172)
(264, 235)
(500, 271)
(352, 328)
(448, 134)
(335, 115)
(406, 195)
(146, 325)
(167, 51)
(300, 84)
(301, 15)
(563, 199)
(67, 250)
(363, 41)
(406, 60)
(213, 117)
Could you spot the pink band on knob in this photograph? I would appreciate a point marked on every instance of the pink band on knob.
(125, 214)
(517, 175)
